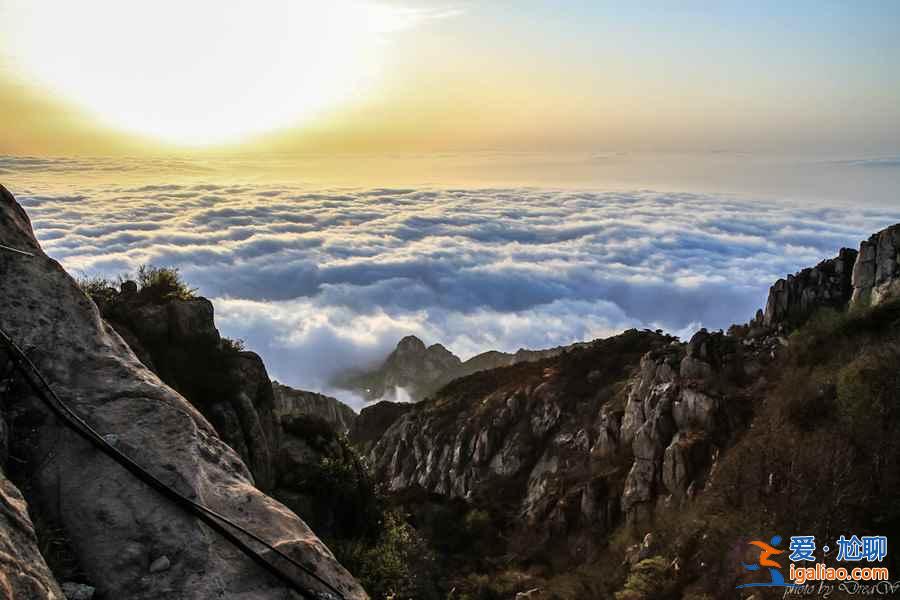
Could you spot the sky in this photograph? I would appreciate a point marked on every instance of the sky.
(487, 175)
(100, 77)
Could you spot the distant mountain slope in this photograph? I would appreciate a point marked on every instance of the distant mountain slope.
(413, 371)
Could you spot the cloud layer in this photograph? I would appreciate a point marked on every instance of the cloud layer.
(318, 280)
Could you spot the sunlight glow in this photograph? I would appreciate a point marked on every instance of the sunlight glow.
(200, 72)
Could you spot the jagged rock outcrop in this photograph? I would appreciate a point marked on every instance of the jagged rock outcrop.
(876, 274)
(680, 412)
(413, 371)
(290, 402)
(117, 528)
(797, 296)
(856, 278)
(373, 421)
(539, 438)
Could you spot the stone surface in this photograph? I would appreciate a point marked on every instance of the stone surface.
(178, 340)
(23, 573)
(876, 274)
(373, 421)
(290, 401)
(114, 522)
(160, 564)
(541, 438)
(78, 591)
(797, 296)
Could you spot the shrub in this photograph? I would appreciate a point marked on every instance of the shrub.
(648, 580)
(396, 567)
(233, 346)
(158, 284)
(503, 585)
(868, 391)
(99, 289)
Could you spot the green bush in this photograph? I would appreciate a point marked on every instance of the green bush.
(233, 346)
(158, 284)
(868, 391)
(396, 567)
(503, 585)
(648, 580)
(99, 289)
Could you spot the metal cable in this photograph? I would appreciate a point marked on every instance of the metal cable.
(40, 385)
(16, 250)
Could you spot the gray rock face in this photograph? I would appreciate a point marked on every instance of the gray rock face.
(826, 284)
(570, 458)
(290, 401)
(677, 419)
(78, 591)
(116, 525)
(544, 436)
(24, 574)
(876, 274)
(178, 340)
(373, 421)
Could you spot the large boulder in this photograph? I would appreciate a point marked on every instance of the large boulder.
(120, 529)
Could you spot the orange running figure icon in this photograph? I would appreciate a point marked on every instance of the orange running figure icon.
(767, 551)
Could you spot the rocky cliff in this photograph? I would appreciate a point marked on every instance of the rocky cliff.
(876, 274)
(115, 533)
(290, 401)
(826, 284)
(537, 442)
(373, 421)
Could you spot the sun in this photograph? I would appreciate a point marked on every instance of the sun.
(199, 72)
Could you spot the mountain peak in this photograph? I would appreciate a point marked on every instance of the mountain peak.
(411, 343)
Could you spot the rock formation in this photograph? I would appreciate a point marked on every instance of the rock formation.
(373, 421)
(177, 339)
(541, 438)
(826, 284)
(876, 274)
(292, 402)
(117, 529)
(24, 573)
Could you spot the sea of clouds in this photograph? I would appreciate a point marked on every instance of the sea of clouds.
(318, 280)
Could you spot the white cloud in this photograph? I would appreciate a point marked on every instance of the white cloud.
(317, 280)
